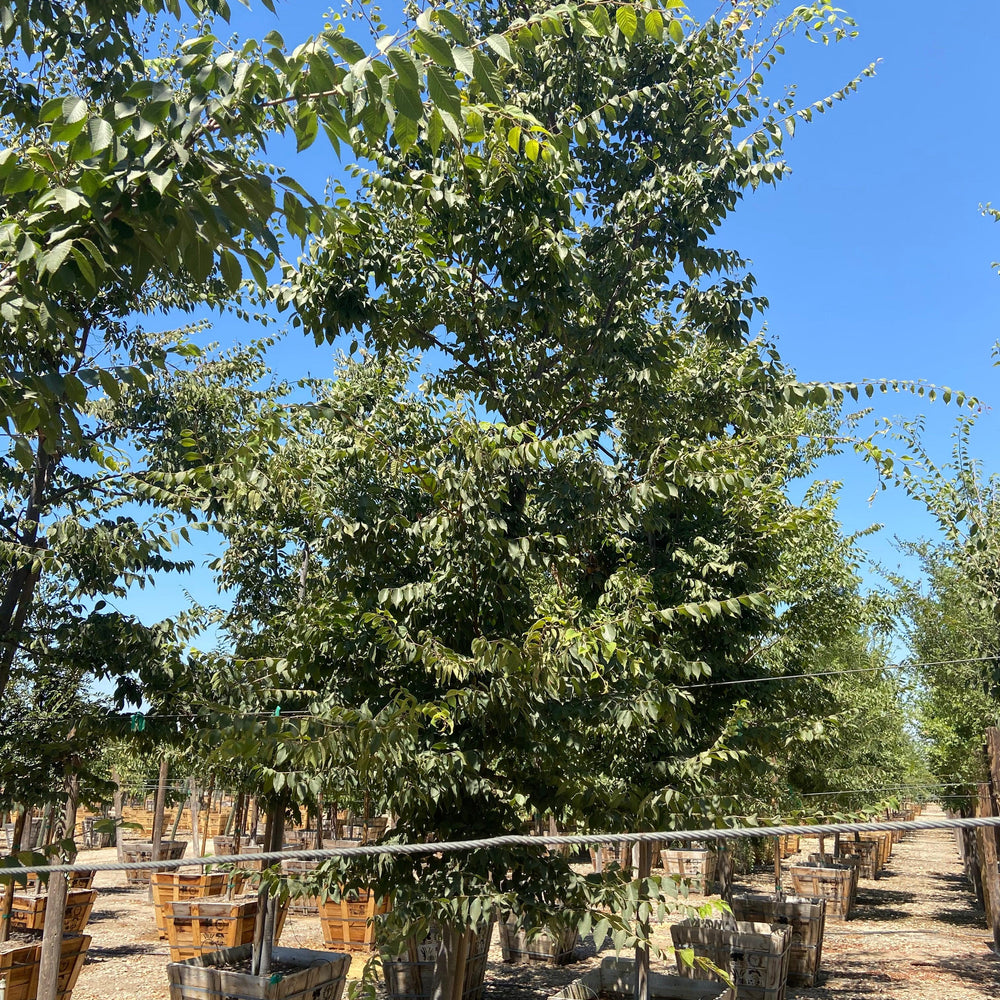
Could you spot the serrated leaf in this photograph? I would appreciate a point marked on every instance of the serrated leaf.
(435, 131)
(654, 24)
(232, 273)
(627, 21)
(500, 46)
(405, 131)
(74, 109)
(676, 31)
(514, 138)
(406, 68)
(100, 133)
(406, 100)
(443, 92)
(436, 47)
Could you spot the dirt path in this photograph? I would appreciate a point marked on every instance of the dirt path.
(917, 935)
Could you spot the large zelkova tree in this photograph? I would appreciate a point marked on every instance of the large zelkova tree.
(491, 596)
(135, 182)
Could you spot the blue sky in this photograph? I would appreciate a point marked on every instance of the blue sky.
(873, 251)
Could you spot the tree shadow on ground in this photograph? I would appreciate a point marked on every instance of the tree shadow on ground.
(877, 904)
(978, 970)
(966, 917)
(107, 953)
(848, 982)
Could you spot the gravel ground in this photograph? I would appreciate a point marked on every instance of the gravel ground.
(917, 934)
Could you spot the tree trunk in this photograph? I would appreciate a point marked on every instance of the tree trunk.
(19, 591)
(8, 896)
(158, 807)
(644, 865)
(55, 907)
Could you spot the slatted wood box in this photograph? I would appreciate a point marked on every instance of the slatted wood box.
(548, 946)
(198, 927)
(142, 850)
(410, 976)
(884, 840)
(852, 861)
(866, 851)
(757, 955)
(805, 917)
(614, 979)
(320, 975)
(349, 924)
(696, 867)
(74, 880)
(169, 886)
(20, 964)
(303, 905)
(28, 910)
(789, 844)
(835, 884)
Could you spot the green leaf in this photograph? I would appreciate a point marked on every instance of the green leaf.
(232, 273)
(435, 131)
(627, 21)
(500, 46)
(676, 31)
(514, 138)
(443, 92)
(436, 47)
(406, 68)
(405, 131)
(74, 109)
(407, 101)
(100, 133)
(654, 24)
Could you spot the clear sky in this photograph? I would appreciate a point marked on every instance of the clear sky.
(873, 252)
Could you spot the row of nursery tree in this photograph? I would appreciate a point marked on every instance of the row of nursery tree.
(573, 563)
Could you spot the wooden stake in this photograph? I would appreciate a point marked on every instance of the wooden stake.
(986, 848)
(779, 889)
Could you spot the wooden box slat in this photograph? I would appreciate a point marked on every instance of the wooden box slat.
(20, 965)
(349, 925)
(321, 976)
(198, 927)
(807, 920)
(756, 954)
(28, 910)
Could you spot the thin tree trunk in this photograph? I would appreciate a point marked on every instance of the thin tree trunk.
(158, 807)
(8, 896)
(19, 593)
(55, 907)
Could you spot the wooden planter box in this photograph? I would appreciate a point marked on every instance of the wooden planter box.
(28, 910)
(320, 976)
(614, 979)
(349, 925)
(198, 927)
(142, 850)
(866, 851)
(411, 976)
(851, 861)
(696, 867)
(170, 886)
(805, 917)
(222, 845)
(835, 884)
(20, 964)
(546, 946)
(611, 854)
(790, 844)
(884, 841)
(757, 955)
(303, 905)
(74, 880)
